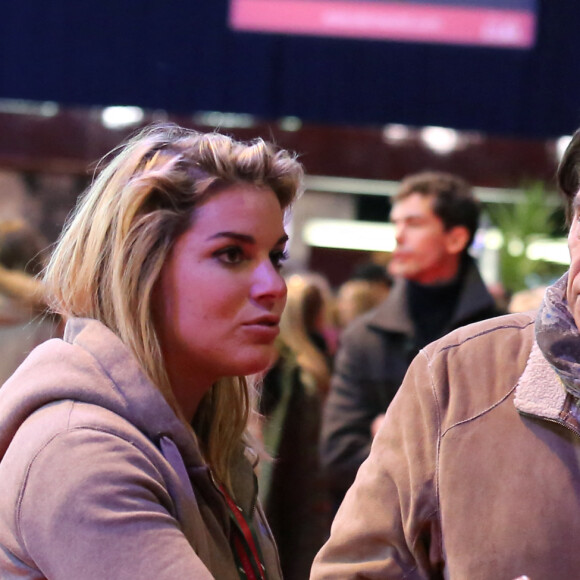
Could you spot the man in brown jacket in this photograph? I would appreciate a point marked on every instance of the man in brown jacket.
(475, 471)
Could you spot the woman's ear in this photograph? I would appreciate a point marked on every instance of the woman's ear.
(457, 239)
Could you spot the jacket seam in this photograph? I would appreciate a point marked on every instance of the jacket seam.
(496, 403)
(437, 510)
(481, 413)
(483, 333)
(39, 451)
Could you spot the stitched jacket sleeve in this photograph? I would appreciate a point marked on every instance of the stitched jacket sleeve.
(387, 526)
(93, 506)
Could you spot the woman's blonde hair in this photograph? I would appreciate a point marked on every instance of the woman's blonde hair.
(307, 313)
(113, 247)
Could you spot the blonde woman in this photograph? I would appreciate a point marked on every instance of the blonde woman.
(123, 447)
(304, 324)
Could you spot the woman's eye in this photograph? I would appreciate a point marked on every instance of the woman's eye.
(231, 255)
(278, 257)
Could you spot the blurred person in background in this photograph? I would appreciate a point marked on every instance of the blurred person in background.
(368, 286)
(475, 471)
(292, 487)
(528, 299)
(376, 273)
(353, 298)
(307, 323)
(23, 323)
(437, 287)
(124, 446)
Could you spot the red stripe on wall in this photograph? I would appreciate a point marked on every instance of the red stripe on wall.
(395, 21)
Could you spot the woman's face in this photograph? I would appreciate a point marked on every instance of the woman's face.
(220, 294)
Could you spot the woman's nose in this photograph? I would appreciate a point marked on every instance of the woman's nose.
(268, 282)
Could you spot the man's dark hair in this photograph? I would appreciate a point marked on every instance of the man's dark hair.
(372, 272)
(568, 174)
(453, 200)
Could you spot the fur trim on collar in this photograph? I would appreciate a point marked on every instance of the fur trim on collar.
(540, 390)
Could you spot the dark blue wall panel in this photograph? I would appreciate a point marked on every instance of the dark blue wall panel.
(179, 55)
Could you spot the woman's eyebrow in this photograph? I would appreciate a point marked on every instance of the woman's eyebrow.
(246, 238)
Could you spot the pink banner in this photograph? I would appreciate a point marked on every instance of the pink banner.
(391, 20)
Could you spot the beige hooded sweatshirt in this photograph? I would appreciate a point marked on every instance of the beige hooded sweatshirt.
(101, 480)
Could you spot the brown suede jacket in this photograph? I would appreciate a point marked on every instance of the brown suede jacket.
(475, 473)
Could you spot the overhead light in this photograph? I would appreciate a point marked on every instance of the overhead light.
(555, 251)
(561, 146)
(440, 140)
(492, 238)
(121, 117)
(48, 109)
(515, 247)
(23, 107)
(290, 123)
(219, 120)
(395, 133)
(349, 235)
(380, 237)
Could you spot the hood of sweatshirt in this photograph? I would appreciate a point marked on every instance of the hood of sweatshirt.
(91, 365)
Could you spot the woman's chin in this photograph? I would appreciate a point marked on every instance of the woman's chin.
(259, 361)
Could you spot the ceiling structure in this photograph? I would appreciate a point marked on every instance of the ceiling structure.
(181, 56)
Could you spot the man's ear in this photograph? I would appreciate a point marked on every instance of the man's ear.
(457, 239)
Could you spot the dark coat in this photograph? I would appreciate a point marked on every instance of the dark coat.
(373, 357)
(292, 487)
